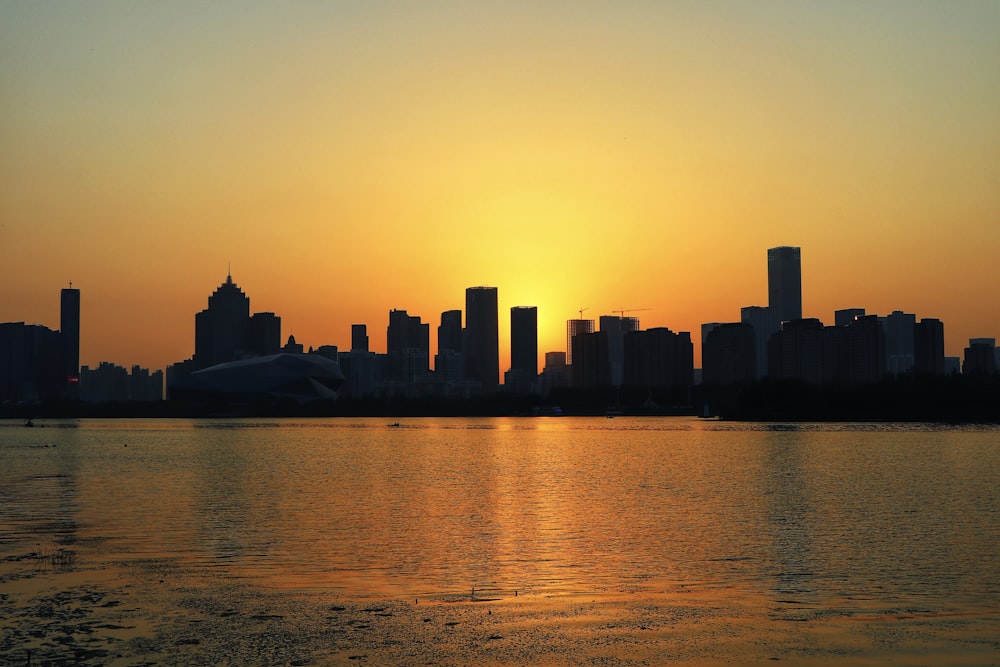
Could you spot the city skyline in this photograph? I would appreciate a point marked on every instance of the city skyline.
(351, 161)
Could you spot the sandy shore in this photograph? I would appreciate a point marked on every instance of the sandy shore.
(149, 613)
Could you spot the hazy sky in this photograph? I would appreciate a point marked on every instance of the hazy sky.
(353, 157)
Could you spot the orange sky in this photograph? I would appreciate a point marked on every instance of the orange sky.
(353, 158)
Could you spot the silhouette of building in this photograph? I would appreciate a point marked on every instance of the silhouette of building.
(221, 329)
(523, 373)
(729, 355)
(555, 375)
(842, 318)
(928, 347)
(69, 331)
(796, 352)
(292, 347)
(866, 350)
(658, 358)
(765, 323)
(591, 365)
(448, 365)
(408, 348)
(481, 342)
(31, 363)
(359, 338)
(616, 328)
(264, 334)
(784, 282)
(900, 332)
(980, 357)
(574, 327)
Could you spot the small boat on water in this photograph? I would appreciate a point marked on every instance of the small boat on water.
(395, 425)
(28, 423)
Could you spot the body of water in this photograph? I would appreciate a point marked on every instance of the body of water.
(836, 519)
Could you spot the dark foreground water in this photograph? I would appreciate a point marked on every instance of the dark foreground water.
(608, 541)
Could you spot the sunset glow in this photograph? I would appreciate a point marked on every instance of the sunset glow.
(349, 158)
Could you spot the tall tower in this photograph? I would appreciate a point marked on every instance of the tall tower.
(69, 330)
(784, 282)
(482, 337)
(524, 339)
(574, 327)
(220, 331)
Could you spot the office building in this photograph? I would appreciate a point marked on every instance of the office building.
(481, 342)
(729, 355)
(845, 316)
(784, 282)
(928, 347)
(359, 338)
(523, 373)
(899, 329)
(69, 332)
(221, 329)
(616, 328)
(765, 324)
(659, 358)
(574, 327)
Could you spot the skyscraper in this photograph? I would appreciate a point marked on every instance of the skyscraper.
(524, 339)
(784, 282)
(482, 337)
(359, 338)
(220, 331)
(69, 331)
(574, 327)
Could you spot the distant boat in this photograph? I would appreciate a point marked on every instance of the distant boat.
(395, 425)
(28, 423)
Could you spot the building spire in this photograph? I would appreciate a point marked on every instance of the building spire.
(229, 272)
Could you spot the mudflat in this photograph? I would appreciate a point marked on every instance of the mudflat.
(152, 612)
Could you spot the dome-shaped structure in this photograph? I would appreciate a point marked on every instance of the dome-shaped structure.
(302, 377)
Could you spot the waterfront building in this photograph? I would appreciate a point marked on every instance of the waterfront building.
(574, 327)
(729, 355)
(616, 327)
(900, 331)
(221, 329)
(359, 338)
(658, 358)
(765, 323)
(481, 342)
(845, 316)
(591, 365)
(69, 332)
(784, 282)
(928, 347)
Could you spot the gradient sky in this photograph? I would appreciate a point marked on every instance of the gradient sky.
(352, 157)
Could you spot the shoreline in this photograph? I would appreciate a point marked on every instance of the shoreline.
(155, 613)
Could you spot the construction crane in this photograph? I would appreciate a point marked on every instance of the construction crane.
(583, 309)
(622, 311)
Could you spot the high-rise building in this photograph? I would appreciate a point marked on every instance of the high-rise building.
(408, 347)
(899, 328)
(524, 339)
(574, 327)
(616, 327)
(659, 358)
(481, 344)
(729, 355)
(69, 331)
(264, 335)
(591, 366)
(928, 346)
(359, 338)
(784, 282)
(448, 364)
(845, 316)
(765, 323)
(220, 331)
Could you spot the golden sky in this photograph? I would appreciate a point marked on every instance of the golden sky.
(352, 157)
